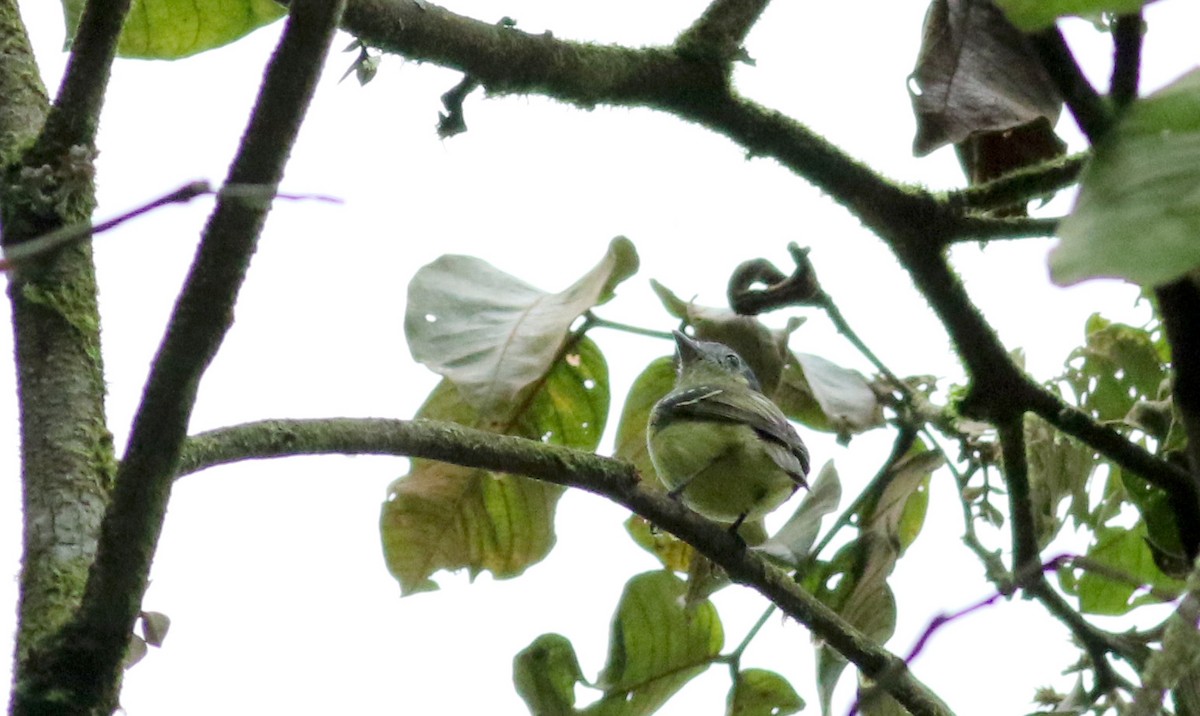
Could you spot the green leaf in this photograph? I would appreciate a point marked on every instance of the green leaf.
(170, 29)
(1117, 366)
(1124, 550)
(1158, 516)
(1032, 15)
(898, 513)
(443, 516)
(656, 645)
(1138, 212)
(545, 674)
(758, 692)
(672, 552)
(648, 388)
(791, 544)
(494, 335)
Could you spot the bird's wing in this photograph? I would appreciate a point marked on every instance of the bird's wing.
(761, 415)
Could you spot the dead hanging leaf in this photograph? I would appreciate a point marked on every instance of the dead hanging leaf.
(975, 73)
(987, 155)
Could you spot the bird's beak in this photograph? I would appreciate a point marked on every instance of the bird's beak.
(686, 347)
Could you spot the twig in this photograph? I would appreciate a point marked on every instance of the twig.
(1091, 112)
(87, 662)
(721, 30)
(801, 288)
(1020, 506)
(988, 228)
(74, 117)
(904, 442)
(594, 321)
(1179, 304)
(1127, 59)
(1022, 185)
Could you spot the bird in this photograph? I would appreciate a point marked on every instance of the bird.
(718, 443)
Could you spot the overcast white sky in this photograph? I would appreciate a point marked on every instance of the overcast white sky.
(272, 572)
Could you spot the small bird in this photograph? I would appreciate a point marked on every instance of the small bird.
(718, 443)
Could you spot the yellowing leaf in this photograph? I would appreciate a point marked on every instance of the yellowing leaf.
(443, 516)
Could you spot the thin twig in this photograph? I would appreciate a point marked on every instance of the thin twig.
(904, 442)
(988, 228)
(594, 321)
(1127, 59)
(74, 117)
(1091, 112)
(1020, 186)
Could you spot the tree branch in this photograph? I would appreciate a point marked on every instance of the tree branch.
(83, 670)
(721, 30)
(75, 114)
(1127, 59)
(1026, 555)
(914, 223)
(610, 478)
(1027, 558)
(1091, 112)
(25, 100)
(1020, 186)
(510, 61)
(1179, 303)
(988, 228)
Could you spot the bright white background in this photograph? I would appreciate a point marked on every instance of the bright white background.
(272, 572)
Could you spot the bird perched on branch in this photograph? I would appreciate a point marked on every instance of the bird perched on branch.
(718, 443)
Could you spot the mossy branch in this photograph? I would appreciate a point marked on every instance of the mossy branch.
(613, 479)
(80, 673)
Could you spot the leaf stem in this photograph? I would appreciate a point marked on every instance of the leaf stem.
(591, 320)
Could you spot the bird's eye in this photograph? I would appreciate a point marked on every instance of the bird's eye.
(733, 361)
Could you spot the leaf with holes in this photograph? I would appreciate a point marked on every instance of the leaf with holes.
(1059, 468)
(443, 516)
(758, 692)
(545, 674)
(493, 335)
(656, 645)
